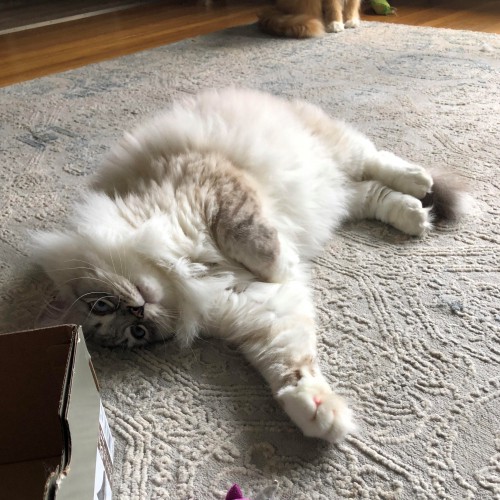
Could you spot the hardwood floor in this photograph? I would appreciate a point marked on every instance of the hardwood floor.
(478, 15)
(35, 52)
(37, 46)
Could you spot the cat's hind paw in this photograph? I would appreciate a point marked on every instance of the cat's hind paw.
(403, 176)
(416, 181)
(335, 27)
(317, 410)
(413, 219)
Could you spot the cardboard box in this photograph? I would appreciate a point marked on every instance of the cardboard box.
(55, 442)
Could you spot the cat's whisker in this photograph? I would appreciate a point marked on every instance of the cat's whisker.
(168, 317)
(85, 268)
(63, 312)
(126, 271)
(162, 323)
(163, 338)
(87, 263)
(79, 298)
(64, 269)
(109, 283)
(91, 267)
(46, 305)
(121, 262)
(112, 261)
(165, 330)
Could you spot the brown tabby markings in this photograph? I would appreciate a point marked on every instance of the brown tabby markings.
(306, 365)
(238, 226)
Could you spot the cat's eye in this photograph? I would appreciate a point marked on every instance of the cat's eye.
(138, 331)
(102, 306)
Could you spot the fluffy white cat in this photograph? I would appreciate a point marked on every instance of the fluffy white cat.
(206, 219)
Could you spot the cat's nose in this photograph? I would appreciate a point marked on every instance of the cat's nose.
(138, 312)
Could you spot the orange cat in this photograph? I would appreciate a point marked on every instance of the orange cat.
(309, 18)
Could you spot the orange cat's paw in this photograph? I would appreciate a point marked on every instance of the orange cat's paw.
(352, 23)
(335, 27)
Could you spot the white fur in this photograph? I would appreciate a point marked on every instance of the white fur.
(335, 27)
(352, 23)
(141, 233)
(317, 410)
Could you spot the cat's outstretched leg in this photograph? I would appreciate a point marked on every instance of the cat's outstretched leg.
(332, 12)
(274, 327)
(373, 200)
(391, 191)
(351, 13)
(444, 193)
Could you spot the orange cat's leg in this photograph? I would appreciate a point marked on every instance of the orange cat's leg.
(332, 12)
(351, 13)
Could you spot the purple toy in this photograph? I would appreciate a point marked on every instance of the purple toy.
(235, 493)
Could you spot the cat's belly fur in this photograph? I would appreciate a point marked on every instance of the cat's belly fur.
(302, 190)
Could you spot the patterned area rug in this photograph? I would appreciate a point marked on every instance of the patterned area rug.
(409, 329)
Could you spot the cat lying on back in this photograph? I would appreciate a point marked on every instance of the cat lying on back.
(309, 18)
(206, 219)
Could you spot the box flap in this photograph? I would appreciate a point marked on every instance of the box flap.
(35, 364)
(33, 374)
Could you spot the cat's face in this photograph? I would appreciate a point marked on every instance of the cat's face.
(118, 311)
(117, 299)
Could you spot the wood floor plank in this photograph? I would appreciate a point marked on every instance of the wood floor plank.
(18, 15)
(33, 53)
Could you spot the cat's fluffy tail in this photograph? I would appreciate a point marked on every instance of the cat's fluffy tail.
(275, 22)
(449, 199)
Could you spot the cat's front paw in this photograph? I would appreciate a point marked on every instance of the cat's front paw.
(352, 23)
(316, 409)
(335, 27)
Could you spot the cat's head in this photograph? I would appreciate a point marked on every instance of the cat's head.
(128, 277)
(116, 296)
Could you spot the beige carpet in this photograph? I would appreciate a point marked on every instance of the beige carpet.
(409, 329)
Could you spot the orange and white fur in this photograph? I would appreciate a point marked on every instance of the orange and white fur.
(206, 218)
(309, 18)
